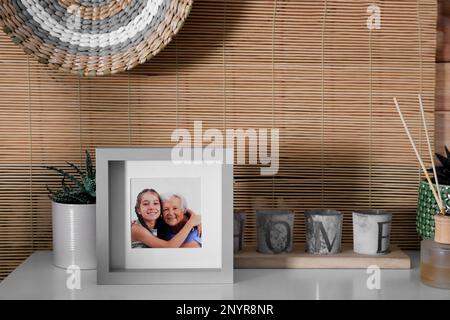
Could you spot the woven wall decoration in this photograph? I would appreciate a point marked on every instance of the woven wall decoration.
(93, 37)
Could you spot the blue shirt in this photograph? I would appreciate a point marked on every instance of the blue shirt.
(192, 236)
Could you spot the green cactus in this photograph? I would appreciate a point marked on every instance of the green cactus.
(82, 190)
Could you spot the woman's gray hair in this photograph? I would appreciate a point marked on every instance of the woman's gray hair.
(183, 201)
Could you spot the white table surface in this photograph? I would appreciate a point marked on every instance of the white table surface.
(37, 278)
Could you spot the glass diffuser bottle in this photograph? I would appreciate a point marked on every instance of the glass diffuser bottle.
(435, 264)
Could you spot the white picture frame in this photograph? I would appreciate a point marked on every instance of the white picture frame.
(123, 171)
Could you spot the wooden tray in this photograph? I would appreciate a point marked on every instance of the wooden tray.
(299, 259)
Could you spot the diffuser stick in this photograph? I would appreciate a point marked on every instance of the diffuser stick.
(422, 112)
(417, 155)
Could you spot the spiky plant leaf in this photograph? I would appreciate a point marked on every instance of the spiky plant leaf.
(83, 190)
(444, 161)
(443, 171)
(447, 152)
(67, 175)
(77, 169)
(65, 187)
(89, 166)
(89, 186)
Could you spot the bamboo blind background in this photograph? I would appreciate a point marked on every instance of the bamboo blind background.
(310, 68)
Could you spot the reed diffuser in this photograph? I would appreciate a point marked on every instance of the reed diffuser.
(434, 255)
(436, 194)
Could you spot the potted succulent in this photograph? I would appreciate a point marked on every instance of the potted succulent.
(73, 217)
(427, 206)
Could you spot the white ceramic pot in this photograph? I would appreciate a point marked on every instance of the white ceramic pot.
(371, 231)
(74, 235)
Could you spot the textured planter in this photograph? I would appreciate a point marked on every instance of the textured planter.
(323, 231)
(74, 235)
(238, 233)
(274, 229)
(442, 229)
(371, 231)
(427, 208)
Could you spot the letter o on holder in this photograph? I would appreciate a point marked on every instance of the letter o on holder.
(278, 236)
(274, 229)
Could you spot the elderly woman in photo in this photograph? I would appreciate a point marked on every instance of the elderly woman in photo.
(176, 216)
(144, 233)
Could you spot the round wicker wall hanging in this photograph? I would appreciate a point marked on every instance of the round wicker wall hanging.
(93, 37)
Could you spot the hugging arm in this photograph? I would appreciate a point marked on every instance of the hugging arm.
(192, 244)
(195, 240)
(139, 233)
(190, 212)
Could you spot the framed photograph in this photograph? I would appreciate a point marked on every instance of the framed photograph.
(162, 221)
